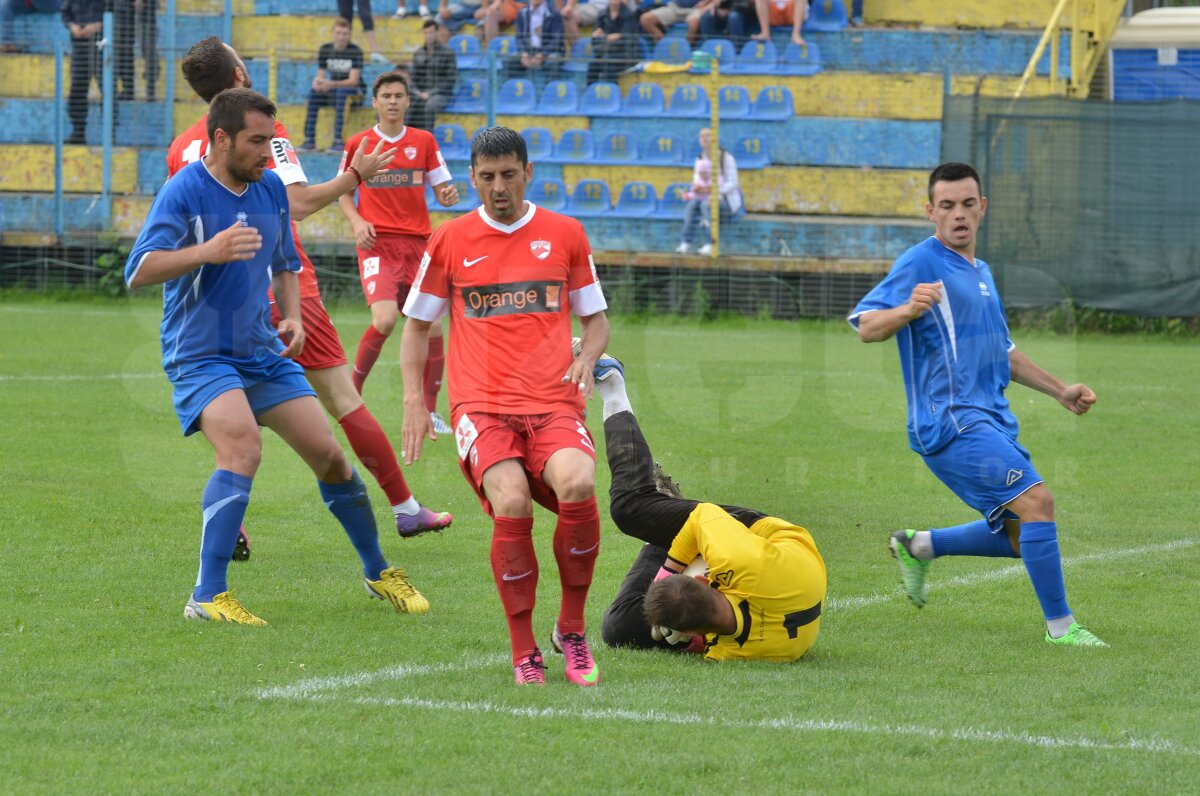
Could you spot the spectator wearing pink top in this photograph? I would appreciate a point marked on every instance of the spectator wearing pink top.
(729, 195)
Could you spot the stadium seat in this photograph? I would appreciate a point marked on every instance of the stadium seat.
(468, 197)
(756, 58)
(540, 143)
(601, 99)
(800, 59)
(644, 99)
(559, 98)
(735, 102)
(722, 51)
(827, 16)
(467, 52)
(503, 45)
(516, 96)
(690, 101)
(590, 198)
(662, 150)
(618, 147)
(672, 50)
(470, 97)
(548, 193)
(751, 152)
(637, 200)
(452, 140)
(575, 146)
(580, 56)
(774, 103)
(671, 204)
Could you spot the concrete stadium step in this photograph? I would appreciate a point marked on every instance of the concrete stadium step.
(1030, 14)
(39, 32)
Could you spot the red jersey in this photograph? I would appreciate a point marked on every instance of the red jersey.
(509, 290)
(192, 145)
(394, 200)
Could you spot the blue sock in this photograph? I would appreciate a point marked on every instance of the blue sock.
(1043, 562)
(225, 501)
(973, 539)
(348, 502)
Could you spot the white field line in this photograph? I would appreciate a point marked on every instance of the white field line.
(84, 377)
(313, 688)
(843, 604)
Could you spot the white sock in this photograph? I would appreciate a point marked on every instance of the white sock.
(408, 508)
(612, 392)
(921, 545)
(1057, 628)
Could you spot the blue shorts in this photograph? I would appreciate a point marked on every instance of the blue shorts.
(986, 468)
(267, 382)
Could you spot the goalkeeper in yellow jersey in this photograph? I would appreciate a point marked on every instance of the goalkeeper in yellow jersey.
(761, 596)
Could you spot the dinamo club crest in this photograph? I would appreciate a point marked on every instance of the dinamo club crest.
(540, 249)
(410, 152)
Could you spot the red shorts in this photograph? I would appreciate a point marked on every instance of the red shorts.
(485, 439)
(387, 271)
(322, 348)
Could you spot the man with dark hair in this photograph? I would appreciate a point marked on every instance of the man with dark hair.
(763, 581)
(339, 78)
(391, 226)
(941, 304)
(510, 275)
(217, 233)
(208, 64)
(434, 74)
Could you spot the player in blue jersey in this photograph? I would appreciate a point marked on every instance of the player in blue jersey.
(942, 306)
(217, 235)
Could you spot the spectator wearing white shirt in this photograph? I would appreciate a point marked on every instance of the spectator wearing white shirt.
(729, 195)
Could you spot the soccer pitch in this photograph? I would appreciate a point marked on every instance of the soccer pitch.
(105, 688)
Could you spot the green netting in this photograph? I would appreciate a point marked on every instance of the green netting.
(1092, 202)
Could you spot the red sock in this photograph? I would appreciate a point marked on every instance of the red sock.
(576, 545)
(434, 366)
(515, 568)
(368, 352)
(371, 445)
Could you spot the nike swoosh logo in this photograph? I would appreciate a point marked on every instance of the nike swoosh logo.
(592, 676)
(508, 577)
(468, 263)
(575, 552)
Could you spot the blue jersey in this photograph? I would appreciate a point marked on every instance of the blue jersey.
(219, 311)
(954, 357)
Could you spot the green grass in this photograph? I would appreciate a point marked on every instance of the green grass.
(104, 687)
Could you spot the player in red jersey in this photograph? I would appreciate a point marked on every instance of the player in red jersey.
(391, 226)
(510, 275)
(210, 67)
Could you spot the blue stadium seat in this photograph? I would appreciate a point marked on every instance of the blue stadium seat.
(827, 16)
(756, 58)
(548, 193)
(662, 150)
(580, 56)
(637, 200)
(735, 102)
(800, 59)
(503, 45)
(559, 98)
(644, 99)
(601, 99)
(618, 147)
(590, 198)
(671, 203)
(752, 152)
(467, 52)
(540, 143)
(690, 101)
(774, 103)
(470, 97)
(516, 96)
(575, 146)
(722, 51)
(452, 140)
(672, 50)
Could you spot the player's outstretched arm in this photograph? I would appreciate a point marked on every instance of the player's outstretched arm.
(414, 350)
(229, 245)
(880, 325)
(592, 344)
(1077, 398)
(305, 199)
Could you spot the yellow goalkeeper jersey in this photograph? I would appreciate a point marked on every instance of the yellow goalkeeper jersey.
(772, 575)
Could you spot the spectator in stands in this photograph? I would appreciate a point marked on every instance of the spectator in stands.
(539, 42)
(422, 9)
(615, 41)
(698, 210)
(780, 13)
(339, 78)
(10, 8)
(659, 19)
(499, 14)
(729, 19)
(85, 21)
(432, 78)
(133, 21)
(346, 11)
(578, 14)
(460, 12)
